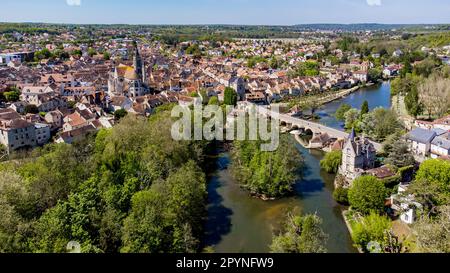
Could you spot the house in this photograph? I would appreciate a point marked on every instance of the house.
(120, 102)
(78, 119)
(15, 132)
(362, 76)
(42, 133)
(58, 79)
(404, 205)
(72, 136)
(440, 146)
(319, 141)
(442, 123)
(420, 142)
(55, 119)
(359, 155)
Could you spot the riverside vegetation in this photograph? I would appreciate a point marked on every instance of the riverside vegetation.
(127, 189)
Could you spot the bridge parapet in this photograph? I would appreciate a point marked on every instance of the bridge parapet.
(315, 127)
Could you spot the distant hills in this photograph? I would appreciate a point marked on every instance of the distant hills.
(368, 26)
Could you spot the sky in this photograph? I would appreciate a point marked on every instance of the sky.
(245, 12)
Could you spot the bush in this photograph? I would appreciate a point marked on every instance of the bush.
(340, 194)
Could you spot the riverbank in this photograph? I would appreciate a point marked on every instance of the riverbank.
(399, 107)
(337, 96)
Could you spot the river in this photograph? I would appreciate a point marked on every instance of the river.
(238, 223)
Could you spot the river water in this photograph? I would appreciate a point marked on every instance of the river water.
(238, 223)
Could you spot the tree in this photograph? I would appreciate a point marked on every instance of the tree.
(31, 109)
(274, 63)
(433, 235)
(380, 123)
(92, 52)
(12, 96)
(412, 103)
(300, 235)
(375, 74)
(194, 50)
(266, 174)
(119, 114)
(432, 183)
(167, 217)
(131, 188)
(399, 156)
(434, 95)
(332, 161)
(308, 68)
(352, 119)
(371, 228)
(367, 194)
(341, 111)
(426, 67)
(365, 108)
(106, 56)
(230, 96)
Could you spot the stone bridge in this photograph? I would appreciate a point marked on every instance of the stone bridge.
(315, 128)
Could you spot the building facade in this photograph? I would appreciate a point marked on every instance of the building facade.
(358, 155)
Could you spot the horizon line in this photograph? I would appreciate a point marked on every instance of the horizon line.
(225, 24)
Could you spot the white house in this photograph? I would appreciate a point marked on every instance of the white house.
(405, 205)
(7, 58)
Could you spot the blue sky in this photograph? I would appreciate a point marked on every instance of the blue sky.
(253, 12)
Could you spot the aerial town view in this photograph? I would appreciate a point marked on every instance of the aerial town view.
(209, 127)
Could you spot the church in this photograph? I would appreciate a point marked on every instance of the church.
(128, 81)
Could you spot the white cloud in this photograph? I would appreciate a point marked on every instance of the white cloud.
(73, 2)
(374, 2)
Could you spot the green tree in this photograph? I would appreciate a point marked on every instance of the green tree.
(92, 52)
(432, 183)
(230, 96)
(161, 219)
(372, 228)
(352, 119)
(12, 96)
(266, 174)
(301, 234)
(332, 161)
(341, 111)
(365, 108)
(367, 194)
(380, 123)
(31, 109)
(375, 74)
(412, 103)
(119, 114)
(400, 156)
(106, 56)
